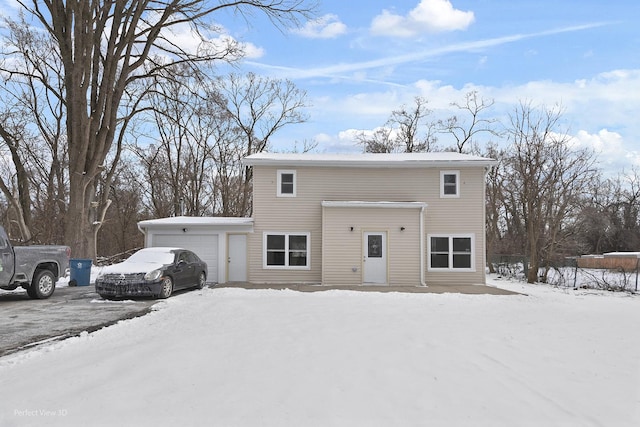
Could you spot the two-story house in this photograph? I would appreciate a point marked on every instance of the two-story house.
(388, 219)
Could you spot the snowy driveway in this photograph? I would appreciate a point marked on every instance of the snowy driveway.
(69, 311)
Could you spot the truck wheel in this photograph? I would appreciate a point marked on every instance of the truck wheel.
(42, 285)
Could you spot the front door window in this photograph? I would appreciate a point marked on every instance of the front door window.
(375, 246)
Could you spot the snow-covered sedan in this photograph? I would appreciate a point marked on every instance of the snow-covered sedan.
(154, 272)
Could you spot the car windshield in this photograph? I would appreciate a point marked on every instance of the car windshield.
(162, 257)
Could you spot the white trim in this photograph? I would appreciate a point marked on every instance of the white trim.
(368, 160)
(422, 282)
(471, 236)
(279, 182)
(286, 250)
(358, 204)
(456, 173)
(176, 221)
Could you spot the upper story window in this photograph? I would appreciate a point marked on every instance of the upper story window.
(286, 183)
(449, 183)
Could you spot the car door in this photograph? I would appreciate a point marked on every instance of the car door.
(184, 271)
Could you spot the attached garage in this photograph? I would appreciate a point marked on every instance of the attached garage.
(214, 239)
(205, 245)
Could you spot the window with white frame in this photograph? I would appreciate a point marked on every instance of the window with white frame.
(449, 183)
(286, 250)
(451, 252)
(286, 183)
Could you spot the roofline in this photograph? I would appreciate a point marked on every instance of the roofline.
(369, 162)
(195, 221)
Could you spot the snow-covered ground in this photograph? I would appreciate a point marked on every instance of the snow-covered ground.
(233, 357)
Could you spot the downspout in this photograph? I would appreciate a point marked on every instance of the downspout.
(144, 233)
(422, 282)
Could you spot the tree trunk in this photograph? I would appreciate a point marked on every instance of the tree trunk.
(534, 261)
(78, 233)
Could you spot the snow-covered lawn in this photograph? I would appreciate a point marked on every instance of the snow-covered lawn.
(233, 357)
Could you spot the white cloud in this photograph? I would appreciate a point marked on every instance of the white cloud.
(326, 27)
(601, 141)
(429, 16)
(613, 153)
(251, 51)
(213, 41)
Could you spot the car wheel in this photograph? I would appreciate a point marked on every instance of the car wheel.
(167, 287)
(42, 285)
(202, 279)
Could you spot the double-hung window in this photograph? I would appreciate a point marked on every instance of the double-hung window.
(286, 250)
(286, 183)
(451, 253)
(449, 183)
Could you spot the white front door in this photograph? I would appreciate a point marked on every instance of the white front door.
(375, 257)
(237, 258)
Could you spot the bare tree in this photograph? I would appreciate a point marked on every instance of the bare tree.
(405, 131)
(119, 232)
(414, 134)
(105, 47)
(16, 184)
(259, 107)
(178, 164)
(546, 180)
(609, 219)
(207, 128)
(32, 129)
(495, 203)
(472, 122)
(381, 140)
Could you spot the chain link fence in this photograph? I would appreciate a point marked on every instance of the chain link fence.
(568, 272)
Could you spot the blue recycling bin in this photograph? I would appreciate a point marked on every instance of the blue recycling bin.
(80, 271)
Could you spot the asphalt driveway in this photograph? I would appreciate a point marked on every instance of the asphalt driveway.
(71, 310)
(68, 312)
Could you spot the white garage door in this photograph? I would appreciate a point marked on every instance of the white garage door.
(205, 246)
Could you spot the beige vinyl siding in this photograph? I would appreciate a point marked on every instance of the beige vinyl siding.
(273, 214)
(344, 249)
(303, 213)
(463, 215)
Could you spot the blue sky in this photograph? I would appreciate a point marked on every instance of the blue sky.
(362, 59)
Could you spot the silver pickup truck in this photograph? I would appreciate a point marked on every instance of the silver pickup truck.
(35, 268)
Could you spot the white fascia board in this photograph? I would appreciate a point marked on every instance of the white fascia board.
(196, 221)
(369, 160)
(363, 204)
